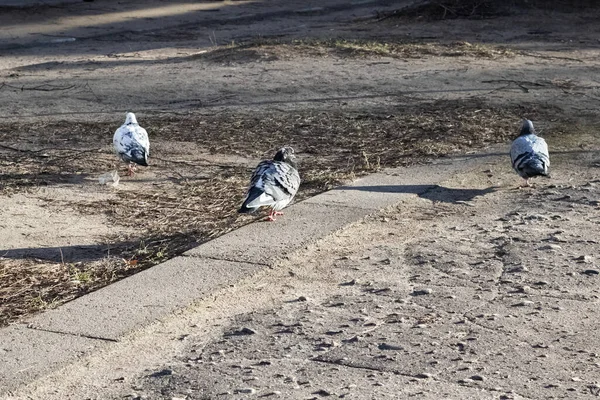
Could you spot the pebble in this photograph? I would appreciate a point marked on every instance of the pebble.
(422, 292)
(386, 346)
(591, 272)
(243, 331)
(246, 390)
(302, 298)
(353, 339)
(524, 303)
(584, 259)
(424, 375)
(163, 372)
(478, 378)
(550, 247)
(525, 289)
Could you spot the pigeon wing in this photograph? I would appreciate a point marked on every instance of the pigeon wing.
(529, 150)
(141, 136)
(130, 142)
(272, 182)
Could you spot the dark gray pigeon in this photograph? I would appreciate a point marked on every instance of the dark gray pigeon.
(529, 153)
(273, 184)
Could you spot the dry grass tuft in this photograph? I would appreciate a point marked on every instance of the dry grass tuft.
(270, 49)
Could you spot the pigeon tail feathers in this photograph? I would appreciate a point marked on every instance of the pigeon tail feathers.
(534, 167)
(138, 156)
(255, 199)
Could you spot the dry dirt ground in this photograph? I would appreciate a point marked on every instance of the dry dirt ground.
(354, 86)
(473, 290)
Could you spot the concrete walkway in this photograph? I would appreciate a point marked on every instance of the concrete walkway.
(61, 336)
(435, 281)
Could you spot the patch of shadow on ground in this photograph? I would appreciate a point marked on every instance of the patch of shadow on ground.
(435, 193)
(480, 9)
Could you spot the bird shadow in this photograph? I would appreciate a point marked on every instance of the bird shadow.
(435, 193)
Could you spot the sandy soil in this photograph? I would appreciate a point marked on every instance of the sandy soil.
(447, 295)
(199, 72)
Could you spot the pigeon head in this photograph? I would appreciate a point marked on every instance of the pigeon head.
(130, 118)
(527, 128)
(286, 154)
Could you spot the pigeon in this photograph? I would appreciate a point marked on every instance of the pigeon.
(132, 144)
(529, 153)
(274, 184)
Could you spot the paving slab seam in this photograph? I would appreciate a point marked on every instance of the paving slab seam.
(71, 334)
(231, 260)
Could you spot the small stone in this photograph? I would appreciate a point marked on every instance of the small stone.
(591, 272)
(576, 379)
(328, 344)
(353, 339)
(525, 289)
(478, 378)
(302, 298)
(246, 390)
(241, 332)
(552, 247)
(584, 259)
(424, 375)
(322, 393)
(386, 346)
(422, 292)
(524, 303)
(162, 372)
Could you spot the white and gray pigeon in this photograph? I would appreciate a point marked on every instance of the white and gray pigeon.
(131, 143)
(529, 153)
(273, 184)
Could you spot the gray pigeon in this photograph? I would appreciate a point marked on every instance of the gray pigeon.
(131, 143)
(529, 153)
(273, 184)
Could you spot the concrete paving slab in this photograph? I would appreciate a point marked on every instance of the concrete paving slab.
(265, 242)
(26, 354)
(130, 304)
(373, 192)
